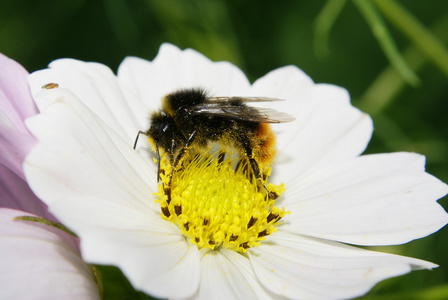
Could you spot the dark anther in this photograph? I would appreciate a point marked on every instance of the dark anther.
(273, 195)
(251, 222)
(166, 211)
(187, 226)
(271, 217)
(263, 233)
(245, 245)
(277, 219)
(205, 222)
(221, 157)
(168, 194)
(196, 239)
(178, 209)
(233, 238)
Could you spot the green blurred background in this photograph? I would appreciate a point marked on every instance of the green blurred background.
(332, 41)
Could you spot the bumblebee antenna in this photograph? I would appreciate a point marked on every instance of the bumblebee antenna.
(157, 152)
(136, 139)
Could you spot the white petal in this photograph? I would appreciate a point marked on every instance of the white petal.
(327, 127)
(173, 69)
(307, 268)
(41, 262)
(382, 199)
(80, 155)
(159, 264)
(228, 275)
(98, 88)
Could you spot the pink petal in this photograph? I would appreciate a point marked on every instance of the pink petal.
(41, 262)
(15, 193)
(16, 104)
(14, 145)
(15, 97)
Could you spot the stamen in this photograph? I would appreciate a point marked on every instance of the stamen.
(217, 202)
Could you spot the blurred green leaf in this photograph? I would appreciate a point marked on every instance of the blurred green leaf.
(385, 40)
(385, 88)
(434, 293)
(204, 24)
(324, 21)
(117, 287)
(122, 22)
(423, 38)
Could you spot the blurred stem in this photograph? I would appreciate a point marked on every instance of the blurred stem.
(389, 83)
(98, 280)
(416, 32)
(324, 21)
(385, 40)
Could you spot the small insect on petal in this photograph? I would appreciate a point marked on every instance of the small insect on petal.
(50, 86)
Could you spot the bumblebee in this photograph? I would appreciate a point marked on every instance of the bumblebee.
(190, 119)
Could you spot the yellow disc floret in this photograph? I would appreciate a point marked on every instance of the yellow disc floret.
(218, 203)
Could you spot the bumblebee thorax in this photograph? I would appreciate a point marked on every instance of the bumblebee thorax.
(180, 102)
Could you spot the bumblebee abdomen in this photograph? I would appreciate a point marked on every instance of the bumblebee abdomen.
(259, 136)
(263, 143)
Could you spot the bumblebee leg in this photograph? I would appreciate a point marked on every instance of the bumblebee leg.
(158, 163)
(253, 163)
(176, 162)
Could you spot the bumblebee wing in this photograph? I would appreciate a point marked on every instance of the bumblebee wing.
(241, 112)
(241, 99)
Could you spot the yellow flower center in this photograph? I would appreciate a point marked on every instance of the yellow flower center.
(218, 203)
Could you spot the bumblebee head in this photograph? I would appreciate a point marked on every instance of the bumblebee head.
(163, 132)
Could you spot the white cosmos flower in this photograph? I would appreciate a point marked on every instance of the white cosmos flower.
(85, 169)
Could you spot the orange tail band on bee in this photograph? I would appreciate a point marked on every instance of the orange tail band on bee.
(264, 150)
